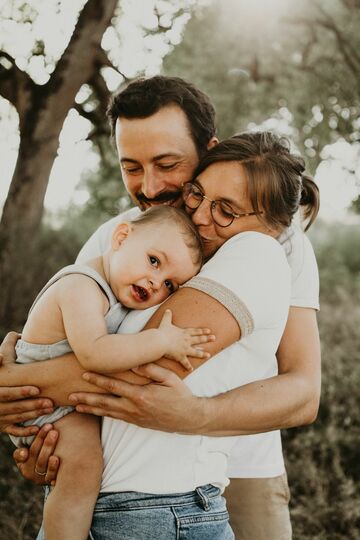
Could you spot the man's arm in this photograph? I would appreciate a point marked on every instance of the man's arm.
(287, 400)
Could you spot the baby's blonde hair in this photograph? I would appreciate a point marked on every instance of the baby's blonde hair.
(168, 214)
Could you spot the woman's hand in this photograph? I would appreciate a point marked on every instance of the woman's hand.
(16, 404)
(38, 463)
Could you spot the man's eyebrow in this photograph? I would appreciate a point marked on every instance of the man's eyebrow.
(155, 158)
(166, 155)
(128, 160)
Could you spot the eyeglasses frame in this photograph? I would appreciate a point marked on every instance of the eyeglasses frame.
(213, 204)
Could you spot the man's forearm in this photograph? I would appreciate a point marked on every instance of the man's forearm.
(257, 407)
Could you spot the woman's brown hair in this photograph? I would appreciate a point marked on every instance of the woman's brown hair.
(277, 183)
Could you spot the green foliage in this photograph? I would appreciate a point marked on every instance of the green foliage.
(52, 250)
(107, 194)
(291, 66)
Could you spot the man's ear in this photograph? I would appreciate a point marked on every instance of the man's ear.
(213, 142)
(121, 232)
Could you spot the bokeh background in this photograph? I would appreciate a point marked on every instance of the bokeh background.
(292, 66)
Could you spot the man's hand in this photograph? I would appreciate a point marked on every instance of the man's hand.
(38, 463)
(14, 407)
(165, 404)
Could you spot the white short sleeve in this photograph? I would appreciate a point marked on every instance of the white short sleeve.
(250, 276)
(304, 270)
(99, 242)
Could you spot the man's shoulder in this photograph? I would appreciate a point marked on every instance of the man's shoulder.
(100, 241)
(109, 225)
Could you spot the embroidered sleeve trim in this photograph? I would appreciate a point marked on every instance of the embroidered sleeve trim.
(228, 299)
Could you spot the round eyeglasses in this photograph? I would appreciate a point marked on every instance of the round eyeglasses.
(221, 212)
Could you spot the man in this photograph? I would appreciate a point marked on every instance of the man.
(162, 126)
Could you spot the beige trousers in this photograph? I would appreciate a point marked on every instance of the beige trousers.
(259, 508)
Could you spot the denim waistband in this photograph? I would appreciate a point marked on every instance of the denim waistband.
(131, 499)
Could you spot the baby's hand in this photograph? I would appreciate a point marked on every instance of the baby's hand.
(181, 342)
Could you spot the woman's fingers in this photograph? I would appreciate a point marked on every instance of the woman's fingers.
(38, 463)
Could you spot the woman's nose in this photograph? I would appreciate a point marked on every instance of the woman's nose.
(202, 215)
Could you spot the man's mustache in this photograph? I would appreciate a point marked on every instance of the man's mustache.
(166, 196)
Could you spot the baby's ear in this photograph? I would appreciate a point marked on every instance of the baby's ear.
(121, 232)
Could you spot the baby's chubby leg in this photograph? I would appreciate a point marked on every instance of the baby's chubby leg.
(69, 507)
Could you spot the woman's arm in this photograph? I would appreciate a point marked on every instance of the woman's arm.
(287, 400)
(61, 376)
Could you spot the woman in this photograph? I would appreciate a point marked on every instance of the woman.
(249, 184)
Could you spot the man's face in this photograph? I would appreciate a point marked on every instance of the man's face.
(157, 155)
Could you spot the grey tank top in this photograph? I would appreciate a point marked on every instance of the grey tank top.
(33, 352)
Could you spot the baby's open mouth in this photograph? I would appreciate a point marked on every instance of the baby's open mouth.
(140, 293)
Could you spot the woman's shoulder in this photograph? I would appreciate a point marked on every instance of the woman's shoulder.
(249, 245)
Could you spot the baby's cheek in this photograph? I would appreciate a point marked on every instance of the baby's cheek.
(158, 298)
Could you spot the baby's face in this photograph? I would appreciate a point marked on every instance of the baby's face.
(148, 263)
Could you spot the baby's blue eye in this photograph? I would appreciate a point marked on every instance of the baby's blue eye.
(154, 261)
(169, 285)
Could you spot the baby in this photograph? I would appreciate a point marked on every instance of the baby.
(80, 310)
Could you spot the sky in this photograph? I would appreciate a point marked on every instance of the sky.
(337, 186)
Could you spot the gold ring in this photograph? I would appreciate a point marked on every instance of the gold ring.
(40, 473)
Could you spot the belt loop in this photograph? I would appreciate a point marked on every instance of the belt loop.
(204, 499)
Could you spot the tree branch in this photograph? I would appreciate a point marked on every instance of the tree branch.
(101, 91)
(347, 49)
(348, 52)
(102, 60)
(15, 84)
(81, 57)
(88, 115)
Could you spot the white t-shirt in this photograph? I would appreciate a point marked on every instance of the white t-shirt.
(251, 456)
(250, 267)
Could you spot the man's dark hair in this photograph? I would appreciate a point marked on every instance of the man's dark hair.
(144, 97)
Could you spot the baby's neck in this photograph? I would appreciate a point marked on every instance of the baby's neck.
(99, 265)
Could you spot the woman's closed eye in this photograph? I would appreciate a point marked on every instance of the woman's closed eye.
(226, 209)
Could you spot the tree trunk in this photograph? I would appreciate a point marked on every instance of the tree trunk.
(42, 112)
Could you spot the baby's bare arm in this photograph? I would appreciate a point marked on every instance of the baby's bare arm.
(82, 306)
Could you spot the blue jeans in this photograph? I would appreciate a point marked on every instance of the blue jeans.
(195, 515)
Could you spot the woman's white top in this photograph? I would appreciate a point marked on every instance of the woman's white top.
(250, 276)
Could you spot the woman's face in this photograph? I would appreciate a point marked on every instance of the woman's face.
(225, 181)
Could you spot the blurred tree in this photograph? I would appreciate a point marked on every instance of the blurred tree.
(42, 110)
(298, 62)
(43, 107)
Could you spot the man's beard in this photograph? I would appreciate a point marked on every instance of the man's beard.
(173, 198)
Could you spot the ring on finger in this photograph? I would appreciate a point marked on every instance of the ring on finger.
(40, 473)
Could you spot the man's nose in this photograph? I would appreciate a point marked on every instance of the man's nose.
(152, 184)
(202, 215)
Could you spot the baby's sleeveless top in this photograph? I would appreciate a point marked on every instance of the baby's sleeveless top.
(33, 352)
